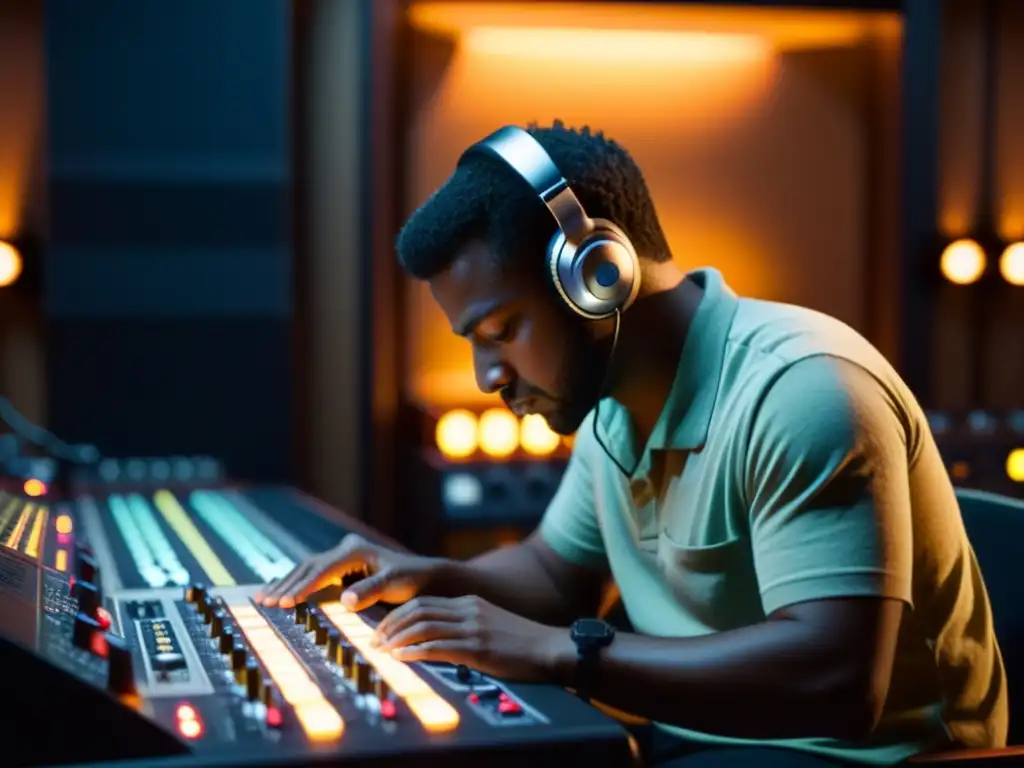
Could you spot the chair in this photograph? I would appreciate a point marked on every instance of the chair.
(995, 526)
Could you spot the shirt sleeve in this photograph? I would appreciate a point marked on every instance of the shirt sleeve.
(827, 481)
(570, 525)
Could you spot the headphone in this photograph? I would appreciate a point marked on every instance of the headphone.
(591, 262)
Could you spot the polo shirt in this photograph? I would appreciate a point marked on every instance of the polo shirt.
(790, 463)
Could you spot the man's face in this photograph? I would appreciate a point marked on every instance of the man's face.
(526, 343)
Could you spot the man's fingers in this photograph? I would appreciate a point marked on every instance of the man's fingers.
(454, 651)
(273, 594)
(388, 586)
(420, 609)
(425, 632)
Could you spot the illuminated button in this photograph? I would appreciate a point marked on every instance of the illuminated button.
(509, 708)
(274, 718)
(64, 524)
(436, 714)
(319, 720)
(388, 709)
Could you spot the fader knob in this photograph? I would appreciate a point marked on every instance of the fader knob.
(85, 566)
(253, 678)
(88, 598)
(333, 640)
(217, 623)
(381, 689)
(120, 674)
(206, 611)
(320, 637)
(85, 629)
(196, 594)
(344, 656)
(312, 620)
(238, 658)
(269, 696)
(363, 676)
(226, 641)
(301, 610)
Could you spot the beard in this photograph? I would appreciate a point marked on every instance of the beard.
(580, 383)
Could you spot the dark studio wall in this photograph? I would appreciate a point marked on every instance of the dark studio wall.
(168, 302)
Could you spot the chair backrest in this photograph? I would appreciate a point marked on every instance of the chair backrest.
(995, 526)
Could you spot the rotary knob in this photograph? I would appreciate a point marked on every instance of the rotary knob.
(320, 636)
(226, 641)
(196, 594)
(217, 623)
(362, 676)
(344, 656)
(301, 611)
(120, 674)
(333, 641)
(312, 620)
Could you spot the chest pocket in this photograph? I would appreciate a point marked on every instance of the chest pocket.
(705, 558)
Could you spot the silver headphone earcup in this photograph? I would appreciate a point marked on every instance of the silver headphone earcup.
(598, 276)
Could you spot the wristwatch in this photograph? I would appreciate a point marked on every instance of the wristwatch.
(590, 636)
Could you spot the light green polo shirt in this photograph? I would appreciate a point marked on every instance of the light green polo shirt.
(790, 463)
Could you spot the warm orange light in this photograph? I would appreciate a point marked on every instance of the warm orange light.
(10, 264)
(499, 433)
(1015, 465)
(34, 487)
(622, 46)
(1011, 264)
(456, 434)
(536, 437)
(64, 524)
(963, 262)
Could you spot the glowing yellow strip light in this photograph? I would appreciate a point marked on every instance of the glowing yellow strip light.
(182, 525)
(318, 718)
(14, 539)
(436, 714)
(60, 561)
(36, 536)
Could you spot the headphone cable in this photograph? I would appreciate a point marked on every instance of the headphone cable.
(597, 408)
(56, 448)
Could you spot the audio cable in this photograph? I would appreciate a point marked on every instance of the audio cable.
(45, 440)
(604, 386)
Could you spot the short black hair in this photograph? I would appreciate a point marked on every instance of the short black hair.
(487, 200)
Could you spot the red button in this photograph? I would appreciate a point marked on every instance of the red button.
(274, 717)
(508, 707)
(474, 699)
(388, 710)
(502, 697)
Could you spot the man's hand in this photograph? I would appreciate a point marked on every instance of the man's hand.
(392, 577)
(471, 631)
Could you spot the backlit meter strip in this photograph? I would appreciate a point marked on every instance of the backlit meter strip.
(9, 510)
(14, 537)
(165, 555)
(317, 716)
(262, 555)
(138, 547)
(436, 714)
(190, 536)
(35, 538)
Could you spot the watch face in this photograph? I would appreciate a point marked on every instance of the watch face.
(591, 629)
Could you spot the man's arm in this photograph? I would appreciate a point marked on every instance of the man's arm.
(827, 487)
(552, 585)
(529, 579)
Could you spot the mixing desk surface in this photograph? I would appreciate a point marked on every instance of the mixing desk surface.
(126, 612)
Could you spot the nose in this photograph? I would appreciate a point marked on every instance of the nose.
(493, 375)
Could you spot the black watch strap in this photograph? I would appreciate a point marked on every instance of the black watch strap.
(587, 657)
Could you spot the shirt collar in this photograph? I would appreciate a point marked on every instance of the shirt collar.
(686, 415)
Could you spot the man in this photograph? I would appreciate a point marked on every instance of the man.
(758, 481)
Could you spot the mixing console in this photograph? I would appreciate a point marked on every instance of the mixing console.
(128, 610)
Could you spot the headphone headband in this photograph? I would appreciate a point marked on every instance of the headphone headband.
(524, 155)
(591, 262)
